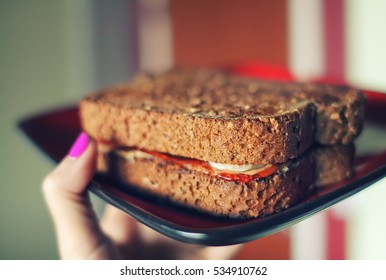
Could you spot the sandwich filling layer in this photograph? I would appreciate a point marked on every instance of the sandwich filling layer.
(241, 173)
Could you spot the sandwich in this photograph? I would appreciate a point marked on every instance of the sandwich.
(221, 144)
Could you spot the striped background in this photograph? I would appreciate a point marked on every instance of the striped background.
(53, 52)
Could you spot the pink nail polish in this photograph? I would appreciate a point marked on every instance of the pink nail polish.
(79, 146)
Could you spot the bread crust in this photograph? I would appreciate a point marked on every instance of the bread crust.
(206, 193)
(339, 112)
(197, 189)
(212, 116)
(237, 141)
(333, 164)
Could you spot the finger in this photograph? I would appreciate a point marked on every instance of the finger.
(64, 189)
(120, 227)
(220, 253)
(166, 247)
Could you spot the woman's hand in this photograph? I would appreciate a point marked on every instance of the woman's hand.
(80, 235)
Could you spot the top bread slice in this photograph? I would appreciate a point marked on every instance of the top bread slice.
(214, 116)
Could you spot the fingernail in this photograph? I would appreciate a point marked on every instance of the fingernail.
(79, 146)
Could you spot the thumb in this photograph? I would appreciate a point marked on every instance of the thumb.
(64, 189)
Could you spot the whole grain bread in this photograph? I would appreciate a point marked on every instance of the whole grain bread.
(291, 183)
(213, 116)
(201, 191)
(339, 109)
(333, 164)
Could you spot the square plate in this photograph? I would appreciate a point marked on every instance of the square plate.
(53, 133)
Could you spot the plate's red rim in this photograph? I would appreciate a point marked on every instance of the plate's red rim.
(281, 73)
(272, 223)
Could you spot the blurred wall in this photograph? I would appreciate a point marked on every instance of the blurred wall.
(51, 54)
(44, 64)
(33, 77)
(366, 68)
(225, 32)
(366, 43)
(342, 39)
(54, 52)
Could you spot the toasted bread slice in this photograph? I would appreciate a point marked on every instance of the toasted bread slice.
(195, 187)
(333, 164)
(212, 116)
(339, 109)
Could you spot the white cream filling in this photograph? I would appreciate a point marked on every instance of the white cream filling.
(248, 169)
(235, 168)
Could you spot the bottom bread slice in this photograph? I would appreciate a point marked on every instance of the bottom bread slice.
(202, 191)
(333, 164)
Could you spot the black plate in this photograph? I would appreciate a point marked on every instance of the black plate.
(55, 131)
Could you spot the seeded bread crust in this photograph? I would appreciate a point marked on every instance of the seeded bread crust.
(339, 109)
(318, 168)
(333, 164)
(203, 192)
(212, 116)
(239, 141)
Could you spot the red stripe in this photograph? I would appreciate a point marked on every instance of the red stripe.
(335, 62)
(334, 38)
(336, 236)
